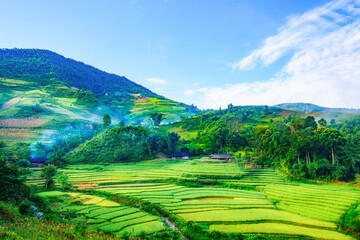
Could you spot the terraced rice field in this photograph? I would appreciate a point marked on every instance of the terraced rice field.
(257, 177)
(142, 171)
(319, 202)
(106, 215)
(272, 207)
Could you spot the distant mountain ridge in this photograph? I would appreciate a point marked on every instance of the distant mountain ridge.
(44, 64)
(312, 108)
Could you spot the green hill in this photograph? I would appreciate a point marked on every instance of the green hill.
(42, 90)
(41, 65)
(119, 144)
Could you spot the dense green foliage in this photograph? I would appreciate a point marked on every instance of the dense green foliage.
(267, 137)
(123, 144)
(12, 179)
(48, 174)
(157, 118)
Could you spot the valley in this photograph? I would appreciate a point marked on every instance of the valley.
(85, 154)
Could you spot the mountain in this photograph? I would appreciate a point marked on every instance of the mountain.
(312, 108)
(42, 65)
(42, 91)
(303, 107)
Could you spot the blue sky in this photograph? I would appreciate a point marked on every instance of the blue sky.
(208, 53)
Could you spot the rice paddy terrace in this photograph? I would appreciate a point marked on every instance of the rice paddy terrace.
(235, 201)
(105, 215)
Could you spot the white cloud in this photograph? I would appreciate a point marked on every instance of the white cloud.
(157, 81)
(324, 65)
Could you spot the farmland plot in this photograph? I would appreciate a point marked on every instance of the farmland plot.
(272, 207)
(106, 215)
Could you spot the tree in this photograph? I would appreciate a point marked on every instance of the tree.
(157, 118)
(230, 106)
(322, 122)
(12, 179)
(56, 157)
(48, 173)
(173, 141)
(266, 110)
(20, 151)
(332, 139)
(40, 150)
(106, 120)
(63, 181)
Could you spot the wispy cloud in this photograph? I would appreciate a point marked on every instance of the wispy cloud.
(324, 66)
(157, 81)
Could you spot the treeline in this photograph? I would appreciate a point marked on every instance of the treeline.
(308, 149)
(261, 136)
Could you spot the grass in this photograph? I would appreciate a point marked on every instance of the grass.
(279, 228)
(44, 230)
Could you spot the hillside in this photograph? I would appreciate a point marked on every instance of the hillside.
(42, 90)
(42, 65)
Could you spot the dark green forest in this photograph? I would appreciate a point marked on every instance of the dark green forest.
(261, 135)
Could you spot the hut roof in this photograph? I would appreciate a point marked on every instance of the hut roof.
(222, 156)
(38, 160)
(179, 154)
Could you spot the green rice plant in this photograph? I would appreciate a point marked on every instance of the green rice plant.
(96, 221)
(244, 215)
(178, 211)
(147, 227)
(51, 194)
(308, 212)
(115, 227)
(108, 203)
(319, 202)
(90, 200)
(89, 210)
(120, 212)
(280, 228)
(129, 217)
(101, 211)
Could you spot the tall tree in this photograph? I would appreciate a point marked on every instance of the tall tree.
(157, 118)
(12, 179)
(333, 139)
(322, 122)
(106, 120)
(48, 174)
(173, 141)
